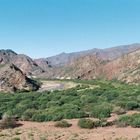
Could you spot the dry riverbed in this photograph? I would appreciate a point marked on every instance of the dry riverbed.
(56, 85)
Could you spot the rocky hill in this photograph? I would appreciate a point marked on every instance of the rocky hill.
(23, 62)
(27, 65)
(12, 79)
(6, 56)
(80, 67)
(125, 68)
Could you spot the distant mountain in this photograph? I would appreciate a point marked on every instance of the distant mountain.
(125, 68)
(105, 54)
(86, 64)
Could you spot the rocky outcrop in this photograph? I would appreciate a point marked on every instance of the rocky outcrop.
(27, 65)
(23, 62)
(12, 79)
(6, 56)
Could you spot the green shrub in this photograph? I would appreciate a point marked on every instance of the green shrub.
(126, 120)
(88, 123)
(28, 114)
(118, 110)
(85, 123)
(132, 105)
(101, 112)
(57, 117)
(63, 124)
(15, 139)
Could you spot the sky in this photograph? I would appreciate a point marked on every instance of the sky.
(42, 28)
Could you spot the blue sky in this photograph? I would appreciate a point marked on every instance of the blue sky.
(41, 28)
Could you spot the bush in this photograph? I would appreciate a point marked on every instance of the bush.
(85, 123)
(7, 122)
(118, 110)
(101, 112)
(15, 139)
(132, 105)
(126, 120)
(28, 114)
(63, 124)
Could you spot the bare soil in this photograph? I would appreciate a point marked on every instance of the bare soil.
(55, 85)
(47, 131)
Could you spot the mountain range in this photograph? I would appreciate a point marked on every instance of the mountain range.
(121, 63)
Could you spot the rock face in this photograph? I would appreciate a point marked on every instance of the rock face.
(81, 67)
(125, 68)
(6, 56)
(27, 65)
(23, 62)
(12, 79)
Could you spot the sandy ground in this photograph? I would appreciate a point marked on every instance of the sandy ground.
(56, 85)
(47, 131)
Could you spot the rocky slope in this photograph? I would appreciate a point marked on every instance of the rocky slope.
(80, 67)
(125, 68)
(6, 56)
(23, 62)
(12, 79)
(27, 65)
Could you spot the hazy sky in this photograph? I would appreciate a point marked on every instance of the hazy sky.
(41, 28)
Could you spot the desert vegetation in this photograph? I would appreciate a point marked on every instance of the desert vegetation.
(81, 101)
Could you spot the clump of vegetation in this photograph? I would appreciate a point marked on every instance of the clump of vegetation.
(129, 120)
(7, 122)
(101, 111)
(89, 124)
(63, 124)
(132, 105)
(15, 138)
(85, 123)
(118, 110)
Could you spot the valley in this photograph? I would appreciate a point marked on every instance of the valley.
(111, 102)
(93, 94)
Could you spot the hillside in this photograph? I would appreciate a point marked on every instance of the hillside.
(125, 68)
(80, 67)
